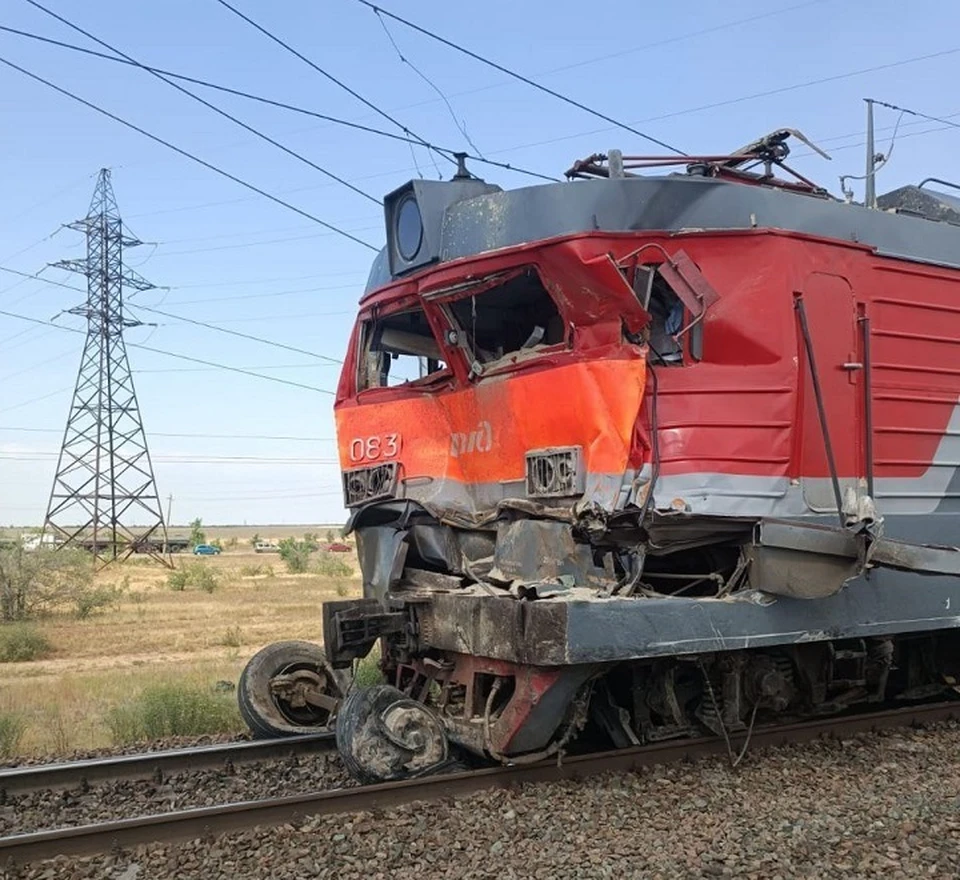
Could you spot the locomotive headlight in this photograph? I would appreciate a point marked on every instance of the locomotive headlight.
(409, 227)
(414, 216)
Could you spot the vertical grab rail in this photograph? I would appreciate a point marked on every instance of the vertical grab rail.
(818, 394)
(864, 323)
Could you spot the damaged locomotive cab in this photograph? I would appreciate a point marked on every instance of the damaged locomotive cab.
(596, 438)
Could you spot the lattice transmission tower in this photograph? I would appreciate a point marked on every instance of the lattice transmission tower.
(104, 495)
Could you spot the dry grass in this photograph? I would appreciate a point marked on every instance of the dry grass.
(156, 636)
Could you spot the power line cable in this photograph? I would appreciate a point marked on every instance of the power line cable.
(270, 295)
(237, 333)
(182, 357)
(245, 296)
(196, 435)
(188, 155)
(518, 76)
(36, 399)
(170, 82)
(250, 244)
(379, 111)
(45, 454)
(335, 120)
(751, 97)
(35, 276)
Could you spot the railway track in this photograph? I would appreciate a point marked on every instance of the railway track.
(158, 765)
(210, 821)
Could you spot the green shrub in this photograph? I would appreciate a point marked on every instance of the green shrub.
(97, 598)
(296, 554)
(204, 578)
(20, 642)
(172, 710)
(197, 534)
(12, 727)
(42, 581)
(178, 579)
(330, 565)
(310, 539)
(194, 574)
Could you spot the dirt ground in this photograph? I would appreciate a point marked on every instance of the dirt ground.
(154, 634)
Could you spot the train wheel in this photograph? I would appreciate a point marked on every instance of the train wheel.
(288, 688)
(383, 735)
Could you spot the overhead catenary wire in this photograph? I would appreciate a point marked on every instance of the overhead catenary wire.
(518, 76)
(220, 111)
(313, 65)
(904, 110)
(194, 158)
(446, 101)
(282, 105)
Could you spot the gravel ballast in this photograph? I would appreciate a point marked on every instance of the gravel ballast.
(125, 798)
(874, 805)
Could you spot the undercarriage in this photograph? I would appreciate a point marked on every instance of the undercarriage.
(518, 643)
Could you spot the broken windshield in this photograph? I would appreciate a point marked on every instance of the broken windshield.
(515, 315)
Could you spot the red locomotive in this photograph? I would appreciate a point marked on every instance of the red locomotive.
(639, 456)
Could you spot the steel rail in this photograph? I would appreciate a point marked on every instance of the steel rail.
(205, 822)
(35, 777)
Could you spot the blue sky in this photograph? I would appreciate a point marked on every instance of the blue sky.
(698, 75)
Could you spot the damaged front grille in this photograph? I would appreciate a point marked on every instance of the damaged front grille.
(369, 483)
(554, 473)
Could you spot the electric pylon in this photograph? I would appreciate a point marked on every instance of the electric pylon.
(104, 495)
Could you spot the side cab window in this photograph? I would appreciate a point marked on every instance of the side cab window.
(399, 349)
(676, 296)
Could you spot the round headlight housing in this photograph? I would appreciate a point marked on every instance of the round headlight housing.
(409, 228)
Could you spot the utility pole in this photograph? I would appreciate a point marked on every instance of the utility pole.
(104, 496)
(870, 176)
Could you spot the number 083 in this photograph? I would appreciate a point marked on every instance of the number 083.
(374, 448)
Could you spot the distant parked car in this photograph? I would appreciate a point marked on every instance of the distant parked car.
(265, 547)
(206, 550)
(339, 548)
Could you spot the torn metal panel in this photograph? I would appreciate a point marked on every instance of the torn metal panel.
(430, 581)
(803, 561)
(382, 551)
(532, 550)
(799, 574)
(916, 557)
(499, 627)
(436, 545)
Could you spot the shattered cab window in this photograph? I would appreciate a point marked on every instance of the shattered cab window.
(666, 320)
(514, 316)
(397, 350)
